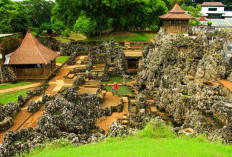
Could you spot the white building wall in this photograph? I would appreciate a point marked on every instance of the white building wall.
(205, 11)
(228, 14)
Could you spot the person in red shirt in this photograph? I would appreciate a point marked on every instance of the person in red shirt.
(115, 87)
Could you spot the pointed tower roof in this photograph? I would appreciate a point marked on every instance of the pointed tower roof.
(177, 9)
(177, 13)
(31, 51)
(202, 19)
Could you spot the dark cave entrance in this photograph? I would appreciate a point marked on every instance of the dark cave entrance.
(133, 63)
(143, 86)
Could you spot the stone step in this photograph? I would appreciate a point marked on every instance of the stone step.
(133, 101)
(210, 83)
(125, 117)
(125, 99)
(150, 101)
(154, 109)
(226, 84)
(125, 122)
(191, 77)
(97, 70)
(103, 91)
(91, 86)
(133, 109)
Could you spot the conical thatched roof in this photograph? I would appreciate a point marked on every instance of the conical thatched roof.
(32, 51)
(177, 13)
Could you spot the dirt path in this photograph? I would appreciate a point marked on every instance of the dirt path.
(104, 122)
(21, 117)
(24, 119)
(33, 119)
(20, 88)
(110, 100)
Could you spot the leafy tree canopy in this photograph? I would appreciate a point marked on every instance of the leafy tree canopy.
(16, 16)
(109, 14)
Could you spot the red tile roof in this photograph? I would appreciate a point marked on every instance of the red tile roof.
(32, 51)
(202, 19)
(177, 13)
(213, 4)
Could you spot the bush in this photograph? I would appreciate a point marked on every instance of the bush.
(209, 23)
(85, 25)
(58, 27)
(65, 33)
(194, 22)
(157, 129)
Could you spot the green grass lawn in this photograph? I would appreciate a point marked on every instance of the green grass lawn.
(121, 89)
(118, 36)
(124, 36)
(63, 39)
(118, 80)
(141, 147)
(61, 59)
(72, 36)
(9, 85)
(12, 96)
(154, 140)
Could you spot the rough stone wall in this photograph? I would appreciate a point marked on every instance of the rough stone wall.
(66, 49)
(113, 50)
(7, 74)
(70, 115)
(9, 110)
(50, 43)
(176, 67)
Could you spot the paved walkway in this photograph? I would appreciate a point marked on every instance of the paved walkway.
(20, 88)
(59, 85)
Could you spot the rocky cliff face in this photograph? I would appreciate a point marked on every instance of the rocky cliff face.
(176, 67)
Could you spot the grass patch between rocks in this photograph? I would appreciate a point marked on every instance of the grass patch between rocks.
(118, 80)
(124, 36)
(12, 96)
(9, 85)
(121, 90)
(61, 59)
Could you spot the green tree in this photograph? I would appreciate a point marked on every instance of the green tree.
(19, 20)
(39, 11)
(14, 17)
(110, 14)
(85, 26)
(5, 26)
(45, 27)
(194, 11)
(58, 27)
(194, 22)
(65, 33)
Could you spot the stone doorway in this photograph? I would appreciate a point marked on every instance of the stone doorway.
(133, 64)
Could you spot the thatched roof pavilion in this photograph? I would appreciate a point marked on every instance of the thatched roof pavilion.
(176, 20)
(32, 59)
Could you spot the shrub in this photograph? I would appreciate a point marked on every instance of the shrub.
(157, 129)
(194, 22)
(85, 25)
(209, 23)
(65, 33)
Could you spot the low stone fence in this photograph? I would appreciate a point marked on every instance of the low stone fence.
(206, 29)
